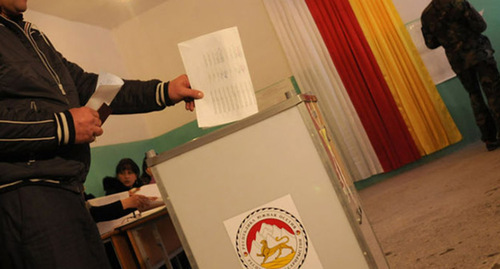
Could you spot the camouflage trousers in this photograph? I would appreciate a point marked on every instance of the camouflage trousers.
(484, 76)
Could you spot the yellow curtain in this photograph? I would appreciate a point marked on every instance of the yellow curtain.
(417, 98)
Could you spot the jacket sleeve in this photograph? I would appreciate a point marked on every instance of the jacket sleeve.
(27, 132)
(85, 82)
(475, 20)
(109, 212)
(141, 96)
(135, 96)
(430, 39)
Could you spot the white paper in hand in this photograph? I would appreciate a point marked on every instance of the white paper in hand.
(215, 64)
(108, 85)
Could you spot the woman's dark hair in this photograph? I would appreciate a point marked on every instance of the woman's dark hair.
(127, 164)
(145, 178)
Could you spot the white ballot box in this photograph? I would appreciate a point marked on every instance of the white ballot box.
(269, 191)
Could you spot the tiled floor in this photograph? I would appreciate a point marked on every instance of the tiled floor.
(444, 214)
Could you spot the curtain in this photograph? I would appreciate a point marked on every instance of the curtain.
(364, 81)
(377, 97)
(315, 73)
(411, 85)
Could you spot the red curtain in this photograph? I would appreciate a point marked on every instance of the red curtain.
(364, 82)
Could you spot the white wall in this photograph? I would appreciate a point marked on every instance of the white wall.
(93, 48)
(149, 45)
(410, 10)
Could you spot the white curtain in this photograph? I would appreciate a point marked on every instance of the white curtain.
(315, 73)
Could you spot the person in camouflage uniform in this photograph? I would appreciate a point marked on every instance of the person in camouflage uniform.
(458, 27)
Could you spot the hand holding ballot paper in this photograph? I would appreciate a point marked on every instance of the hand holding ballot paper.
(89, 119)
(108, 85)
(215, 63)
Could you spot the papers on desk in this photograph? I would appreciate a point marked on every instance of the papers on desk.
(215, 64)
(108, 85)
(150, 190)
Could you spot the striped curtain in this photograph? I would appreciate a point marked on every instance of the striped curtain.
(331, 57)
(364, 82)
(409, 81)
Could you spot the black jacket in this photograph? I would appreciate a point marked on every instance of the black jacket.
(38, 86)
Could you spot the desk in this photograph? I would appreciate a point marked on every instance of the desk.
(148, 241)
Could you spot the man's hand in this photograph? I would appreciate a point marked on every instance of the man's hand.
(180, 89)
(87, 124)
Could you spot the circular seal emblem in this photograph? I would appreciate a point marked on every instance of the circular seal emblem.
(271, 238)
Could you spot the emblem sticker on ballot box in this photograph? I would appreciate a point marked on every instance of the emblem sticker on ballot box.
(272, 236)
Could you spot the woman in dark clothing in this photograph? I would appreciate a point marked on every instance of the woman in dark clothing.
(127, 175)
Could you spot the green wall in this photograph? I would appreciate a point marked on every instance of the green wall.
(105, 158)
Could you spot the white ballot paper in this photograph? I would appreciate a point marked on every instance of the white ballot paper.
(108, 85)
(215, 64)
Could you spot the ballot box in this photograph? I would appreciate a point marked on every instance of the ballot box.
(269, 191)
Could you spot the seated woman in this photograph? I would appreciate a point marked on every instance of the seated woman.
(127, 174)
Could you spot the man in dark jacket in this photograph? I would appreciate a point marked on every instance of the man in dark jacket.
(457, 26)
(45, 132)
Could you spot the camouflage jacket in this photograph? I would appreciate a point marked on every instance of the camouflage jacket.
(457, 26)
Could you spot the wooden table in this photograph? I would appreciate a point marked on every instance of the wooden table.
(147, 241)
